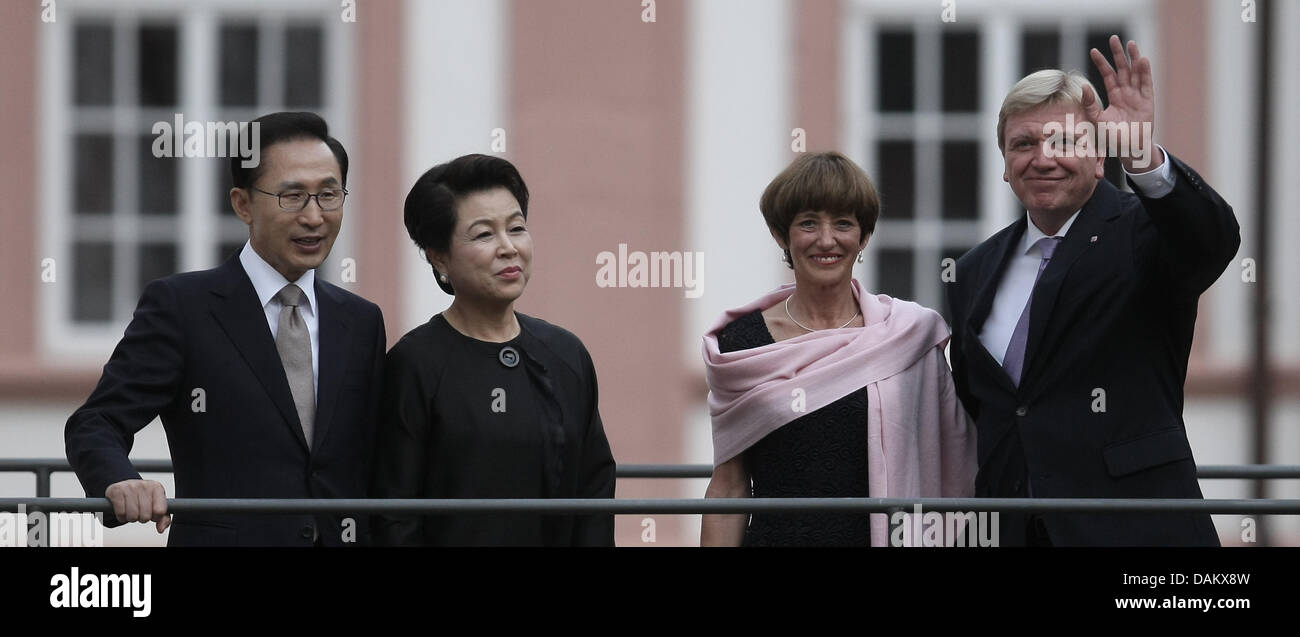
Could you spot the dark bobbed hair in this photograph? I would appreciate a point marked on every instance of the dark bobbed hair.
(274, 128)
(430, 211)
(827, 182)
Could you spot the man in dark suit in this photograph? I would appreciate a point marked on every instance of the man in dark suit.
(1072, 326)
(265, 377)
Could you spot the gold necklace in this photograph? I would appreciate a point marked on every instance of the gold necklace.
(787, 313)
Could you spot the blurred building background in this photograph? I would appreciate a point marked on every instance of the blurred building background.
(650, 124)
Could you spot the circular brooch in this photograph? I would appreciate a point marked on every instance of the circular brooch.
(508, 356)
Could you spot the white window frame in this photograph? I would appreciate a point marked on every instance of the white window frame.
(63, 341)
(1000, 24)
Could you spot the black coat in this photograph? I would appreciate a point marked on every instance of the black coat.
(208, 331)
(463, 418)
(1111, 326)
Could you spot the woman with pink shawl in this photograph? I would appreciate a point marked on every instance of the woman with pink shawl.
(820, 389)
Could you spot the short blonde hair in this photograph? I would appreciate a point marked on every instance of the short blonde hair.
(1049, 86)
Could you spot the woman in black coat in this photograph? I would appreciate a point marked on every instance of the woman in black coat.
(482, 401)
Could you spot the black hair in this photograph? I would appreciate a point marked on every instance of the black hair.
(430, 211)
(282, 127)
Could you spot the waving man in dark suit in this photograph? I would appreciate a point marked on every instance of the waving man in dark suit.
(1072, 326)
(265, 377)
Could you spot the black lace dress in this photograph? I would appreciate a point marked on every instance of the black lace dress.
(821, 454)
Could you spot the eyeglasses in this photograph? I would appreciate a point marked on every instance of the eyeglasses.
(295, 200)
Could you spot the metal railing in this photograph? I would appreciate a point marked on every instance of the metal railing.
(43, 468)
(669, 506)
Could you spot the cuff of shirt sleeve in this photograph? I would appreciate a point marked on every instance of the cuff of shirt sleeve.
(1154, 183)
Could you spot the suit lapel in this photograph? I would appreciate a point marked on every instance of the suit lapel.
(1089, 224)
(335, 341)
(986, 287)
(236, 308)
(991, 273)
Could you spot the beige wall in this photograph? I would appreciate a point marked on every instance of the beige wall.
(597, 125)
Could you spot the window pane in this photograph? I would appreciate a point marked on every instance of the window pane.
(894, 273)
(93, 161)
(238, 65)
(157, 260)
(1039, 50)
(302, 64)
(92, 283)
(960, 183)
(961, 71)
(93, 46)
(894, 55)
(1099, 38)
(1115, 172)
(955, 253)
(221, 192)
(158, 65)
(946, 273)
(228, 249)
(895, 180)
(157, 180)
(232, 234)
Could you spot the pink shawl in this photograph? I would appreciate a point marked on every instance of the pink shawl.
(920, 442)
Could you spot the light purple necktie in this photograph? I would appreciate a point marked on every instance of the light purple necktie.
(1014, 361)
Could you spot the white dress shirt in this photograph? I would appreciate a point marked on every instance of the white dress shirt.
(1018, 279)
(268, 282)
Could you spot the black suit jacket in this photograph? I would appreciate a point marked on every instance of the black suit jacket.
(1099, 409)
(198, 353)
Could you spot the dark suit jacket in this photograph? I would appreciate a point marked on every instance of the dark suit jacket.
(207, 331)
(1098, 413)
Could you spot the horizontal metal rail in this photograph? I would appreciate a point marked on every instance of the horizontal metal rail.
(668, 506)
(665, 471)
(61, 464)
(1207, 472)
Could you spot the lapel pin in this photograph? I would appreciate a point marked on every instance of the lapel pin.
(1094, 239)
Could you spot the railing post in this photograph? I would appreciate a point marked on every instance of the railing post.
(43, 482)
(889, 523)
